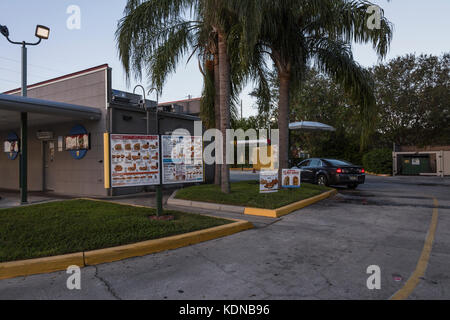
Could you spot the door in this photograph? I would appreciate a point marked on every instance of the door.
(307, 171)
(48, 181)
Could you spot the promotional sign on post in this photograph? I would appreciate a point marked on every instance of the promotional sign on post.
(291, 178)
(78, 142)
(268, 181)
(182, 159)
(134, 160)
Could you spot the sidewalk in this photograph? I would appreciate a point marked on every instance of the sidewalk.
(150, 201)
(10, 199)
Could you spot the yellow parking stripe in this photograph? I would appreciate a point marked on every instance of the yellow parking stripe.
(422, 265)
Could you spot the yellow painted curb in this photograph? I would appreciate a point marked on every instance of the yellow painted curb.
(378, 175)
(158, 245)
(276, 213)
(42, 265)
(81, 259)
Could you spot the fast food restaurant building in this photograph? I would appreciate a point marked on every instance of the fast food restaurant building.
(67, 121)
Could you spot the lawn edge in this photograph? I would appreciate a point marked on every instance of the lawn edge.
(13, 269)
(280, 212)
(269, 213)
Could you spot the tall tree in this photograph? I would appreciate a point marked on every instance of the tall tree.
(153, 36)
(319, 32)
(414, 100)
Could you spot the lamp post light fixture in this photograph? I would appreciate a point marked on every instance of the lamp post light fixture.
(42, 33)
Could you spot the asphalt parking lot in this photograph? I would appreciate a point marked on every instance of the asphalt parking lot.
(320, 252)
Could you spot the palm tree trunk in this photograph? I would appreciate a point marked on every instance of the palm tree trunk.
(283, 120)
(218, 167)
(225, 92)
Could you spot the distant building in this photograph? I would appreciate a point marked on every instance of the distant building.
(188, 106)
(425, 161)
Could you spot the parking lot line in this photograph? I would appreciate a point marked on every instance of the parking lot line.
(422, 265)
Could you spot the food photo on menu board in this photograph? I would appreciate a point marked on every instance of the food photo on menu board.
(134, 160)
(182, 159)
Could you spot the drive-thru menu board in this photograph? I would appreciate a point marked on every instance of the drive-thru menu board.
(182, 159)
(134, 160)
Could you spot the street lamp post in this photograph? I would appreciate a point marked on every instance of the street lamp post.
(42, 32)
(159, 198)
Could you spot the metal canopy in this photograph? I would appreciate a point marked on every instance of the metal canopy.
(12, 103)
(309, 125)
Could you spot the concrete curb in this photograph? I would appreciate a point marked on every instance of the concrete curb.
(275, 213)
(82, 259)
(41, 265)
(378, 175)
(153, 246)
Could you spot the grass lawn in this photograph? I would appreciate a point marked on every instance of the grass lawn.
(247, 194)
(81, 225)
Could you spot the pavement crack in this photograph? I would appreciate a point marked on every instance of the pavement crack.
(268, 294)
(106, 284)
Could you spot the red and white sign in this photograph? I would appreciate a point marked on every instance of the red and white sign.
(268, 181)
(134, 160)
(291, 178)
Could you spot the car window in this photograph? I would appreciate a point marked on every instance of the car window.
(338, 163)
(304, 163)
(315, 163)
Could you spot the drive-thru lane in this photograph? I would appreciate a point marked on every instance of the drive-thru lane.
(320, 252)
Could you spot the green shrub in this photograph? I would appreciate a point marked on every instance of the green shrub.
(378, 161)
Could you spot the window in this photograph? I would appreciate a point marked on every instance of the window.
(338, 163)
(316, 163)
(304, 163)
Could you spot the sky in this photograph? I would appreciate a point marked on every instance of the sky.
(419, 27)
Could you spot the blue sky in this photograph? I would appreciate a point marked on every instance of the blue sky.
(420, 27)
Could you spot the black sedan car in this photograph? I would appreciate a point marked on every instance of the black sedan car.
(331, 172)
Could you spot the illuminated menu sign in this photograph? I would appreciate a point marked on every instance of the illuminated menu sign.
(182, 159)
(134, 160)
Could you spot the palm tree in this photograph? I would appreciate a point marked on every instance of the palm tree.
(319, 32)
(153, 36)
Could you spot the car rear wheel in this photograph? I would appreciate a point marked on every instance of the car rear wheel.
(353, 186)
(322, 180)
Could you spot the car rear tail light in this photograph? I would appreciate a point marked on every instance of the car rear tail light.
(339, 170)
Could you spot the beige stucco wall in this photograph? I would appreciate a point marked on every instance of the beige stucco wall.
(66, 175)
